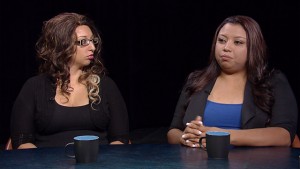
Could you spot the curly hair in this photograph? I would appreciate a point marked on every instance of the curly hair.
(55, 49)
(257, 70)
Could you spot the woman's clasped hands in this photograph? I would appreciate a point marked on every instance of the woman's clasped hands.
(193, 132)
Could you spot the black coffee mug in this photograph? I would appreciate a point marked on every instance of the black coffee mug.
(86, 148)
(217, 144)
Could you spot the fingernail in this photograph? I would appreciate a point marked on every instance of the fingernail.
(194, 145)
(187, 141)
(187, 124)
(200, 132)
(183, 136)
(201, 123)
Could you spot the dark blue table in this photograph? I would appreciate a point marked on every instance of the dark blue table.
(164, 156)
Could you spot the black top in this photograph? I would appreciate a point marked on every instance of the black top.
(284, 110)
(38, 119)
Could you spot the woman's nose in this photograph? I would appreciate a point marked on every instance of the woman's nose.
(92, 46)
(227, 46)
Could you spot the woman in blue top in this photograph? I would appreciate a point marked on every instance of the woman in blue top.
(236, 93)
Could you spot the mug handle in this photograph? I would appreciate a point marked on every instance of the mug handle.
(200, 141)
(66, 148)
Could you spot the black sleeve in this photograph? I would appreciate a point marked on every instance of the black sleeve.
(22, 117)
(180, 109)
(284, 111)
(118, 129)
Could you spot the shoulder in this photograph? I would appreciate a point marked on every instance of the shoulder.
(196, 74)
(107, 83)
(39, 78)
(278, 77)
(38, 81)
(279, 81)
(106, 80)
(34, 80)
(109, 89)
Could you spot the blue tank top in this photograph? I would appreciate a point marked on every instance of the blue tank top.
(226, 116)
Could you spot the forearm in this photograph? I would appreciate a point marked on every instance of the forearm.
(174, 136)
(27, 146)
(271, 136)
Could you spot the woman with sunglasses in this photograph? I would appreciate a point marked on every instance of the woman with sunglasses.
(71, 95)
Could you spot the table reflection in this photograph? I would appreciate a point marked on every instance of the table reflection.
(245, 157)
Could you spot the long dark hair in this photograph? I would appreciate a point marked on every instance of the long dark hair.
(257, 64)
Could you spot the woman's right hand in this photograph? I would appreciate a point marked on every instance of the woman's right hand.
(191, 133)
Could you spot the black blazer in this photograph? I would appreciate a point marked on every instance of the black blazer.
(284, 110)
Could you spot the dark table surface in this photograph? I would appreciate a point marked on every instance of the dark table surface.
(164, 156)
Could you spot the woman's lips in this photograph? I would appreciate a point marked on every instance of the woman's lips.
(91, 57)
(225, 57)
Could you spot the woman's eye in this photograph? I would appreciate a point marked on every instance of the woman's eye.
(84, 42)
(238, 42)
(220, 40)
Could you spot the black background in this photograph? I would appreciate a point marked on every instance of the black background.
(149, 46)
